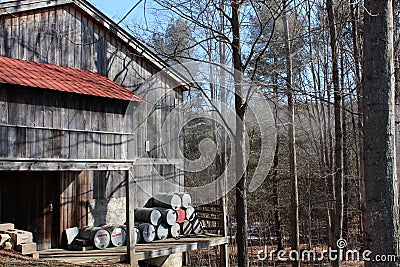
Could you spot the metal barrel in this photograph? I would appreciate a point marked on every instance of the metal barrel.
(162, 231)
(100, 238)
(168, 200)
(148, 215)
(136, 234)
(190, 213)
(169, 216)
(186, 199)
(186, 227)
(175, 230)
(197, 226)
(181, 215)
(117, 234)
(147, 231)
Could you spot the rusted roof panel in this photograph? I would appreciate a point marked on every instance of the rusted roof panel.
(52, 77)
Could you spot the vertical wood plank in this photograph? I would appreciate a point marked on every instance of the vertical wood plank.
(3, 105)
(78, 40)
(15, 47)
(52, 37)
(8, 36)
(68, 46)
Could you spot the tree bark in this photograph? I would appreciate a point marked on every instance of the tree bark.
(381, 185)
(354, 11)
(337, 222)
(240, 109)
(294, 190)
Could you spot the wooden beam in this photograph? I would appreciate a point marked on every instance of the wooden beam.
(61, 166)
(130, 217)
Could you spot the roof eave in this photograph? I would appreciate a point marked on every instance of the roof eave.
(11, 7)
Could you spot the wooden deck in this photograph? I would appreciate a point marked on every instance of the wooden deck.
(142, 251)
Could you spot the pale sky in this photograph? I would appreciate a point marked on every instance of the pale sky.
(116, 9)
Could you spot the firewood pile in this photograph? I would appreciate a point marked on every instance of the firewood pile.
(18, 240)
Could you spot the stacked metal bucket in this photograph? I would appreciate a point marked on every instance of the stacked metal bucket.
(171, 215)
(102, 237)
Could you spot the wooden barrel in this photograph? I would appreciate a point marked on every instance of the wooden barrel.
(197, 226)
(147, 231)
(190, 213)
(100, 238)
(169, 216)
(186, 227)
(175, 230)
(186, 199)
(168, 200)
(148, 215)
(181, 215)
(162, 231)
(117, 235)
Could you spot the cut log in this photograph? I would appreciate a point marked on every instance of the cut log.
(175, 230)
(186, 227)
(181, 216)
(162, 231)
(98, 237)
(186, 199)
(26, 249)
(6, 226)
(168, 200)
(117, 235)
(169, 216)
(190, 213)
(20, 237)
(147, 231)
(148, 215)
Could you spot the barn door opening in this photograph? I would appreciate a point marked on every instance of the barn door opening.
(30, 200)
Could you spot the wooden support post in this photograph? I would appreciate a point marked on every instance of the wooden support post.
(130, 217)
(224, 259)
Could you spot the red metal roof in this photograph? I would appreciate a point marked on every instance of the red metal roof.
(46, 76)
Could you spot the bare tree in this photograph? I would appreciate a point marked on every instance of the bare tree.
(294, 190)
(381, 185)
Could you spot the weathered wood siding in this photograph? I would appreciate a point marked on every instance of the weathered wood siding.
(65, 36)
(45, 124)
(55, 127)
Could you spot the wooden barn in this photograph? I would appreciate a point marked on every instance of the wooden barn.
(79, 131)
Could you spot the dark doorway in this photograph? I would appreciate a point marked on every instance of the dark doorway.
(30, 200)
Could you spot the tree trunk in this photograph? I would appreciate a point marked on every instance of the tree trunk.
(337, 222)
(240, 109)
(345, 148)
(381, 185)
(356, 54)
(294, 191)
(275, 175)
